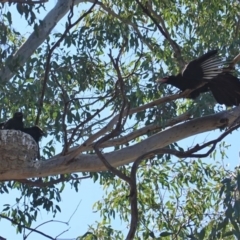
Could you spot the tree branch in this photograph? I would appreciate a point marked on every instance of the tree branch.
(142, 131)
(51, 50)
(91, 163)
(154, 17)
(41, 184)
(36, 39)
(26, 227)
(133, 179)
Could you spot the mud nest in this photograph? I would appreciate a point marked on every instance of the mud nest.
(17, 149)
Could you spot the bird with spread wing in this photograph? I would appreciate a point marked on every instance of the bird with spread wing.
(208, 72)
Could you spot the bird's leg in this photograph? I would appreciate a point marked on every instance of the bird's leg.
(188, 91)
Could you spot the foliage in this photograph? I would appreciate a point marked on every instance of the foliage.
(67, 87)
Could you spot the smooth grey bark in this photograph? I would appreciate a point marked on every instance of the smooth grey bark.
(87, 162)
(37, 38)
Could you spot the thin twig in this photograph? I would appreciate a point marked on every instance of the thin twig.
(133, 182)
(41, 184)
(26, 227)
(164, 32)
(51, 50)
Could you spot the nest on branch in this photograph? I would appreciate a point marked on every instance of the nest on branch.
(17, 149)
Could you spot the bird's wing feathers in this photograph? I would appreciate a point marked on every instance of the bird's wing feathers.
(8, 124)
(211, 67)
(205, 67)
(208, 70)
(2, 125)
(35, 131)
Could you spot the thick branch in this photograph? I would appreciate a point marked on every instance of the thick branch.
(85, 146)
(37, 38)
(91, 162)
(142, 131)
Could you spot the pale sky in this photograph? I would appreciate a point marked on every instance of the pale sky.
(89, 192)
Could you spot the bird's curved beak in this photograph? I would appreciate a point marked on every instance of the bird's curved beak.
(162, 80)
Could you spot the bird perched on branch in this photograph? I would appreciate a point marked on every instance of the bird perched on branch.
(35, 132)
(208, 69)
(2, 125)
(15, 123)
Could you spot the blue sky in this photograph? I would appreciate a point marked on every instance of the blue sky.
(89, 192)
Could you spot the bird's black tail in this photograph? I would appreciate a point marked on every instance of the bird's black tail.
(225, 89)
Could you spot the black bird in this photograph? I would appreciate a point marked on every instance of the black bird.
(2, 125)
(208, 69)
(35, 132)
(16, 122)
